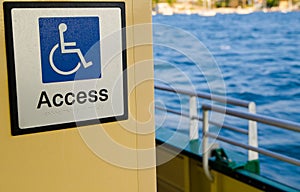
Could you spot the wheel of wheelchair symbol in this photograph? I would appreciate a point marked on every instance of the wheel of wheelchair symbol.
(54, 66)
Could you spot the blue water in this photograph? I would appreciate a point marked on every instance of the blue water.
(253, 57)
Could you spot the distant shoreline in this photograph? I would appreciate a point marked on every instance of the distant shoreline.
(187, 9)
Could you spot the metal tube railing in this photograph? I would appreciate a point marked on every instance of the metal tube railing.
(229, 127)
(252, 125)
(205, 147)
(253, 117)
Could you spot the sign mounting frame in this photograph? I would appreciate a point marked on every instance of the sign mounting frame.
(14, 98)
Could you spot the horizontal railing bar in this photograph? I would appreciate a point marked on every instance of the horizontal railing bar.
(207, 96)
(172, 111)
(232, 128)
(255, 117)
(259, 150)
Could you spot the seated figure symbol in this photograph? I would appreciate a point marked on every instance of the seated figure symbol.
(65, 48)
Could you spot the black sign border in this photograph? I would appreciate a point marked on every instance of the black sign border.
(8, 6)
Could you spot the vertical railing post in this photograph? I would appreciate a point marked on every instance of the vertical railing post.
(194, 135)
(205, 145)
(252, 133)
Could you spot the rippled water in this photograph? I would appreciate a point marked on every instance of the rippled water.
(258, 57)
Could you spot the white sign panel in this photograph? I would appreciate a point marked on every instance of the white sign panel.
(66, 64)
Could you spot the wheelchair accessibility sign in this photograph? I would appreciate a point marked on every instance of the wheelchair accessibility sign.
(64, 42)
(66, 64)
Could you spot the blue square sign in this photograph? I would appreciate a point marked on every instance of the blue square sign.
(70, 48)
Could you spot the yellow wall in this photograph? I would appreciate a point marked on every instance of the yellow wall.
(61, 161)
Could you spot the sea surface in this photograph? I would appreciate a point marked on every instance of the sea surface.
(254, 57)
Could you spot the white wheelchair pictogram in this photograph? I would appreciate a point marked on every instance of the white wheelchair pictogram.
(65, 48)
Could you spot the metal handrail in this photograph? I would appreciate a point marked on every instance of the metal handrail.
(193, 130)
(229, 127)
(255, 117)
(250, 116)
